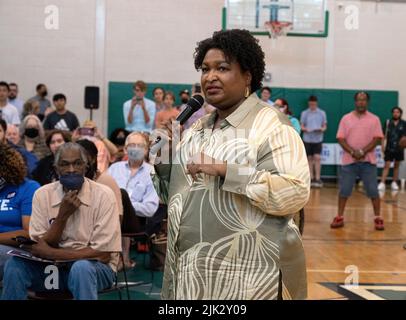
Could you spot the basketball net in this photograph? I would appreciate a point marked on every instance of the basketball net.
(278, 28)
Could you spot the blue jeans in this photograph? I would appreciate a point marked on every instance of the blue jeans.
(366, 172)
(3, 258)
(83, 278)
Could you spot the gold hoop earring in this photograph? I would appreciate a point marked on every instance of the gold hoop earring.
(247, 92)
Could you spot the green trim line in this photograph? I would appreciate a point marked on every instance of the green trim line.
(290, 34)
(224, 18)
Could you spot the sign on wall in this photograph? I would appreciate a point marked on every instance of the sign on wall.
(332, 153)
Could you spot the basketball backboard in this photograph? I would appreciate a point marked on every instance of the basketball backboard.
(309, 18)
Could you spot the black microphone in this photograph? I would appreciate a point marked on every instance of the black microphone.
(194, 104)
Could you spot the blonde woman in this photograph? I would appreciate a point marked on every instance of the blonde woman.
(33, 137)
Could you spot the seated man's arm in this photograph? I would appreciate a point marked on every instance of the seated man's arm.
(149, 203)
(39, 226)
(43, 250)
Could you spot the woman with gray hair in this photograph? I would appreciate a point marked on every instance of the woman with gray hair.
(33, 137)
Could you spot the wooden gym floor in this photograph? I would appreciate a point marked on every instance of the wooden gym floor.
(378, 255)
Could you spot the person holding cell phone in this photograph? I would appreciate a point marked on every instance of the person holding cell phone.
(16, 194)
(106, 149)
(139, 112)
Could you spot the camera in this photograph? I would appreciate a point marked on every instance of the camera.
(86, 132)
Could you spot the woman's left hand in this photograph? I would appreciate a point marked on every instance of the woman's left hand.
(202, 163)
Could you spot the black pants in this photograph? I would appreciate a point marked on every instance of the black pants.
(134, 224)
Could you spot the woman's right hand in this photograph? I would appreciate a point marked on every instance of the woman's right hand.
(169, 132)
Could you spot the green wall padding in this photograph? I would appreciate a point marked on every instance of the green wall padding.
(335, 102)
(120, 92)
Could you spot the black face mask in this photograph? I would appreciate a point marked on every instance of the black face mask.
(44, 94)
(185, 100)
(31, 132)
(120, 141)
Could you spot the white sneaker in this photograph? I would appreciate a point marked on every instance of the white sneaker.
(381, 186)
(394, 186)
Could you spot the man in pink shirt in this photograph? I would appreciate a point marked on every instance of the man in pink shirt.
(359, 132)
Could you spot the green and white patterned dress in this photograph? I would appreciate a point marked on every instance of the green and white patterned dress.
(229, 238)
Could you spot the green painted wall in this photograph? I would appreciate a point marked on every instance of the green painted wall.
(335, 102)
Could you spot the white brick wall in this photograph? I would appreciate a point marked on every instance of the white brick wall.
(154, 40)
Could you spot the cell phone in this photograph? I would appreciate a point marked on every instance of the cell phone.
(24, 240)
(138, 99)
(86, 131)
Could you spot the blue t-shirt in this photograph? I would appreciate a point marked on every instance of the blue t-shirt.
(15, 202)
(313, 121)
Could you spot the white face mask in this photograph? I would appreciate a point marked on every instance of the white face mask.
(135, 153)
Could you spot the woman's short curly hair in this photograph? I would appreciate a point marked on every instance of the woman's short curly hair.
(12, 165)
(239, 46)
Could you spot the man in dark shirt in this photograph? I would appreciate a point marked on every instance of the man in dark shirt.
(44, 103)
(61, 118)
(395, 130)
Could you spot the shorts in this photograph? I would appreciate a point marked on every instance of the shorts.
(366, 172)
(397, 155)
(313, 148)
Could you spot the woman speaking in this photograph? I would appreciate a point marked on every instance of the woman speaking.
(238, 176)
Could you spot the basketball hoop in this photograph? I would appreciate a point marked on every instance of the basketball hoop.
(278, 28)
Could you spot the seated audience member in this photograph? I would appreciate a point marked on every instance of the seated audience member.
(33, 137)
(266, 93)
(12, 134)
(159, 94)
(75, 219)
(134, 176)
(13, 98)
(3, 129)
(61, 118)
(31, 107)
(283, 107)
(44, 103)
(118, 137)
(16, 194)
(168, 112)
(7, 111)
(139, 112)
(106, 149)
(45, 171)
(94, 174)
(30, 160)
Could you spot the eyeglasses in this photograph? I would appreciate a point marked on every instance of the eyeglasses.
(77, 164)
(137, 145)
